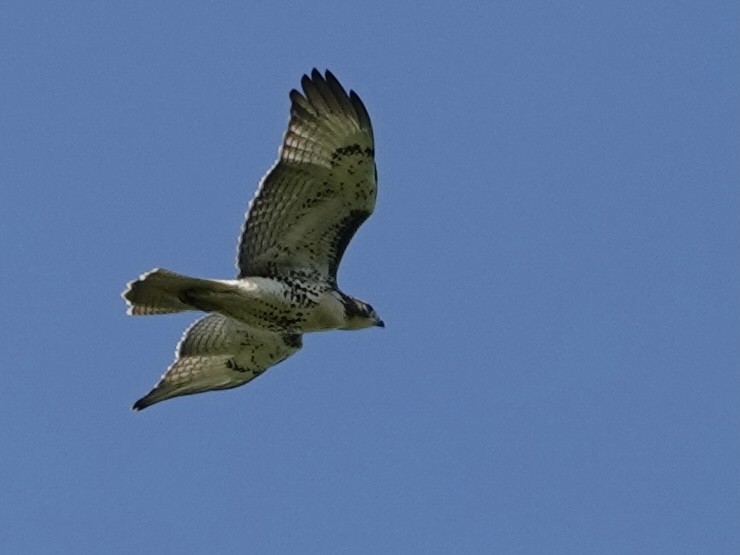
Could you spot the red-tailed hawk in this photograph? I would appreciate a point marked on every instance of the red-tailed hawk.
(305, 212)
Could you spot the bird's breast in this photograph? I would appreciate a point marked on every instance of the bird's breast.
(284, 305)
(326, 314)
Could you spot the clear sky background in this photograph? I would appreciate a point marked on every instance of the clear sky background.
(555, 251)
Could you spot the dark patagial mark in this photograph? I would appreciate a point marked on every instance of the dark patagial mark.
(352, 150)
(294, 340)
(345, 231)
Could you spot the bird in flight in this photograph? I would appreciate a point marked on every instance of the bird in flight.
(307, 208)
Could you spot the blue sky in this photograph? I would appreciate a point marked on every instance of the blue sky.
(554, 252)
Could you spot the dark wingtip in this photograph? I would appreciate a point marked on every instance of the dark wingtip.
(141, 404)
(315, 75)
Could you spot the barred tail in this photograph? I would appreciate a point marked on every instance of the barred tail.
(161, 291)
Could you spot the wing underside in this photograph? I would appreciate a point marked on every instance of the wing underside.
(217, 352)
(319, 192)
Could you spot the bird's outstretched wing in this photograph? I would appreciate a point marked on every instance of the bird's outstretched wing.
(321, 189)
(217, 352)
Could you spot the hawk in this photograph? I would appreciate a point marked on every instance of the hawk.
(307, 208)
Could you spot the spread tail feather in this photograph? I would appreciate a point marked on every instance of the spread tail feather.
(161, 291)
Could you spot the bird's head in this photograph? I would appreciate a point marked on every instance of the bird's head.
(359, 314)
